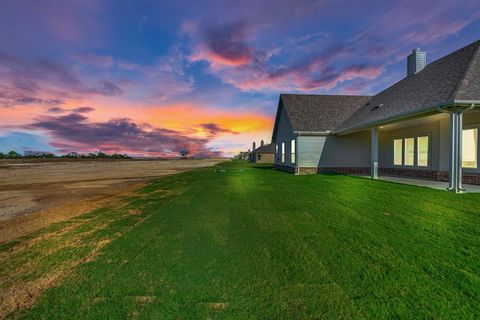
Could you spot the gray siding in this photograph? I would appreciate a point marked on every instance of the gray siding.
(309, 150)
(284, 134)
(351, 150)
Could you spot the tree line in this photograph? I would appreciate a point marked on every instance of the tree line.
(70, 155)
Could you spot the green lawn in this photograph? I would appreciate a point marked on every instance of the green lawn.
(243, 242)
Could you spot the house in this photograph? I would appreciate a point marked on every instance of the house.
(263, 154)
(244, 155)
(425, 126)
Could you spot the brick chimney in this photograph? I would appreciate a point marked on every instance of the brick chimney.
(253, 146)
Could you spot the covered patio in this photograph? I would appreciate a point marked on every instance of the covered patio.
(439, 185)
(427, 150)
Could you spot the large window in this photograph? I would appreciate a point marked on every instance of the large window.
(397, 152)
(469, 148)
(422, 151)
(411, 151)
(292, 152)
(283, 152)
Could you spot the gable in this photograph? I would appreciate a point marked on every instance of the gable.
(282, 129)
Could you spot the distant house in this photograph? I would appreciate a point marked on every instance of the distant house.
(244, 155)
(424, 126)
(263, 154)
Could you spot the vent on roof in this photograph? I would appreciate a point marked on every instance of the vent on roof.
(377, 107)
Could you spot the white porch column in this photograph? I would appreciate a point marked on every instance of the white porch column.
(455, 168)
(459, 151)
(452, 172)
(374, 154)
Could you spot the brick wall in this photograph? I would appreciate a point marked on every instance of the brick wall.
(307, 170)
(414, 173)
(344, 170)
(467, 178)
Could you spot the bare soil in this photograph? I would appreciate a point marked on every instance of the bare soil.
(34, 194)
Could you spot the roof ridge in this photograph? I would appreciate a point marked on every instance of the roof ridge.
(324, 95)
(464, 75)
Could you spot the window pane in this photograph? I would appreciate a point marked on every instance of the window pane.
(293, 151)
(409, 151)
(397, 152)
(469, 148)
(283, 151)
(422, 149)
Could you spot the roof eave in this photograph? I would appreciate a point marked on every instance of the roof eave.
(313, 133)
(460, 102)
(403, 116)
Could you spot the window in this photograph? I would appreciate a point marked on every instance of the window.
(411, 151)
(397, 152)
(283, 151)
(292, 160)
(422, 151)
(259, 157)
(469, 148)
(409, 154)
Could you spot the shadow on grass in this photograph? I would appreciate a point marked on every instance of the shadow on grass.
(263, 167)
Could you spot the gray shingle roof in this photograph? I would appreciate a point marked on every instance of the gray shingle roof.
(453, 77)
(266, 148)
(319, 113)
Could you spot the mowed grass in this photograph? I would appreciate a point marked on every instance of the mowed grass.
(247, 242)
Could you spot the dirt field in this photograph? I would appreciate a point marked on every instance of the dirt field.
(33, 194)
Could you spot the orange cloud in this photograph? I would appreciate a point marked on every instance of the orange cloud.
(181, 116)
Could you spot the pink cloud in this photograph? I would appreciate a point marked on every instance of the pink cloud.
(304, 78)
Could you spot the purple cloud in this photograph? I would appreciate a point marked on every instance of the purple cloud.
(228, 44)
(27, 82)
(83, 109)
(76, 110)
(73, 132)
(214, 129)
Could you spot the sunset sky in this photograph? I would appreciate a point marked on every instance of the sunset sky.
(149, 78)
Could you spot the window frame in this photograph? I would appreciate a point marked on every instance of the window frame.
(401, 151)
(283, 152)
(293, 151)
(477, 168)
(404, 160)
(415, 150)
(417, 153)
